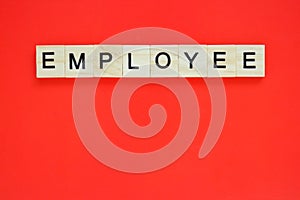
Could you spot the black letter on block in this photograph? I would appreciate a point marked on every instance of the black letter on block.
(191, 59)
(47, 59)
(102, 60)
(168, 63)
(219, 59)
(249, 59)
(77, 65)
(129, 63)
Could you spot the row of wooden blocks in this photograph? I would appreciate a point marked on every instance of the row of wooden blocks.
(150, 61)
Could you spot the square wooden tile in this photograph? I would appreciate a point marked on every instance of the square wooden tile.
(50, 61)
(136, 61)
(250, 60)
(164, 60)
(79, 60)
(108, 60)
(221, 60)
(192, 61)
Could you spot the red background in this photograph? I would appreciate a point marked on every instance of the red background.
(256, 157)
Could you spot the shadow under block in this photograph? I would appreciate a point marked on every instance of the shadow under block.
(107, 60)
(136, 61)
(192, 61)
(164, 60)
(250, 60)
(79, 60)
(221, 60)
(50, 61)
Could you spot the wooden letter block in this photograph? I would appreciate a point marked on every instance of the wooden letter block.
(50, 61)
(192, 61)
(250, 60)
(221, 60)
(107, 61)
(136, 61)
(79, 60)
(164, 60)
